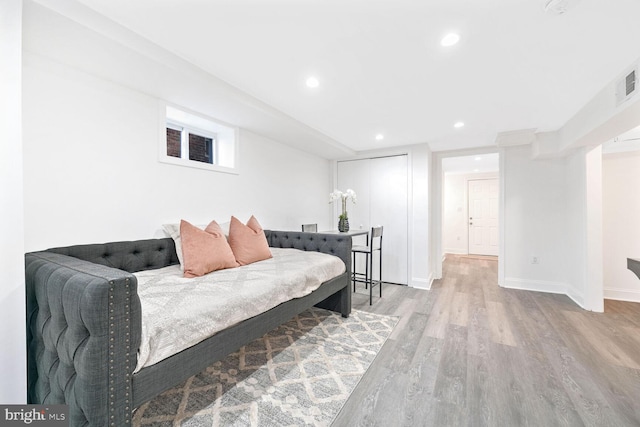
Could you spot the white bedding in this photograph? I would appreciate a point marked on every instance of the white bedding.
(178, 313)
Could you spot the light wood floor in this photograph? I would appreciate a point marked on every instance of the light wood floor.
(469, 353)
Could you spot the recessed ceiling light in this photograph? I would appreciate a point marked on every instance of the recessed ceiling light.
(379, 137)
(478, 158)
(458, 125)
(450, 39)
(312, 82)
(476, 170)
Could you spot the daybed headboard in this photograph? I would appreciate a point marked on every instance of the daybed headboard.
(327, 243)
(139, 255)
(130, 256)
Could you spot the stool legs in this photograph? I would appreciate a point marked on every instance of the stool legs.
(380, 271)
(368, 280)
(370, 268)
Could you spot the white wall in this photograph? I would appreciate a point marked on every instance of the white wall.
(12, 297)
(535, 221)
(455, 237)
(455, 224)
(621, 224)
(574, 233)
(91, 169)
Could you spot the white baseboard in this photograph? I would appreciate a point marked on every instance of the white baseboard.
(622, 294)
(545, 286)
(535, 285)
(456, 251)
(421, 283)
(576, 296)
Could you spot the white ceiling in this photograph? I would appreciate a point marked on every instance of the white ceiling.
(381, 67)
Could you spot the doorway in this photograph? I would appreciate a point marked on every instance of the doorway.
(451, 172)
(620, 211)
(470, 201)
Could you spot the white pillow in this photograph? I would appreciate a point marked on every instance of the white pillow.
(173, 230)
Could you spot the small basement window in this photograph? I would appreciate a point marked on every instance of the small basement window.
(193, 140)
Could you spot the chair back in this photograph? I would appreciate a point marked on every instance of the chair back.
(376, 233)
(310, 228)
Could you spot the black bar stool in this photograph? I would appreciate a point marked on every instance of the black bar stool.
(374, 243)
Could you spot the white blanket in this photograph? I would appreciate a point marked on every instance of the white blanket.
(178, 313)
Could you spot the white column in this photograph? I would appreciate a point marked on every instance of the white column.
(594, 289)
(12, 296)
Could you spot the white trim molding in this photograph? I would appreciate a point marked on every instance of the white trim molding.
(545, 286)
(420, 283)
(454, 251)
(619, 294)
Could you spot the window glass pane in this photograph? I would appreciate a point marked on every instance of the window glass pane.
(200, 148)
(173, 142)
(196, 141)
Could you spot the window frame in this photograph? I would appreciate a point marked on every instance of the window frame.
(186, 128)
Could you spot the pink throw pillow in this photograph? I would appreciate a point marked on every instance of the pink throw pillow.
(248, 242)
(205, 250)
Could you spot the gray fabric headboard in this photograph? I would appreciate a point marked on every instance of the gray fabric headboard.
(130, 256)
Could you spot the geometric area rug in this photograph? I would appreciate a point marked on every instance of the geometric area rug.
(299, 374)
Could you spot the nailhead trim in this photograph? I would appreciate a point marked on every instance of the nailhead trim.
(127, 416)
(127, 355)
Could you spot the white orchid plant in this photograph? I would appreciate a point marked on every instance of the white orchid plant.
(343, 196)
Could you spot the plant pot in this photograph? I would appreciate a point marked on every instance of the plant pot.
(343, 225)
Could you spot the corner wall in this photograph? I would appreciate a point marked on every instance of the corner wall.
(534, 221)
(553, 213)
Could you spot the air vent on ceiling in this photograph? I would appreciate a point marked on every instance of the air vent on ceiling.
(626, 87)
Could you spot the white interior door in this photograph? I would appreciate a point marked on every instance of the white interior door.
(483, 216)
(381, 186)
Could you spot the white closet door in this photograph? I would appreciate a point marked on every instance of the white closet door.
(381, 186)
(389, 208)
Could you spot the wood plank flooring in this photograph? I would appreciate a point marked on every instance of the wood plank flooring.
(469, 353)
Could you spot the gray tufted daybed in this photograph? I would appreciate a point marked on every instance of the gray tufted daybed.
(84, 324)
